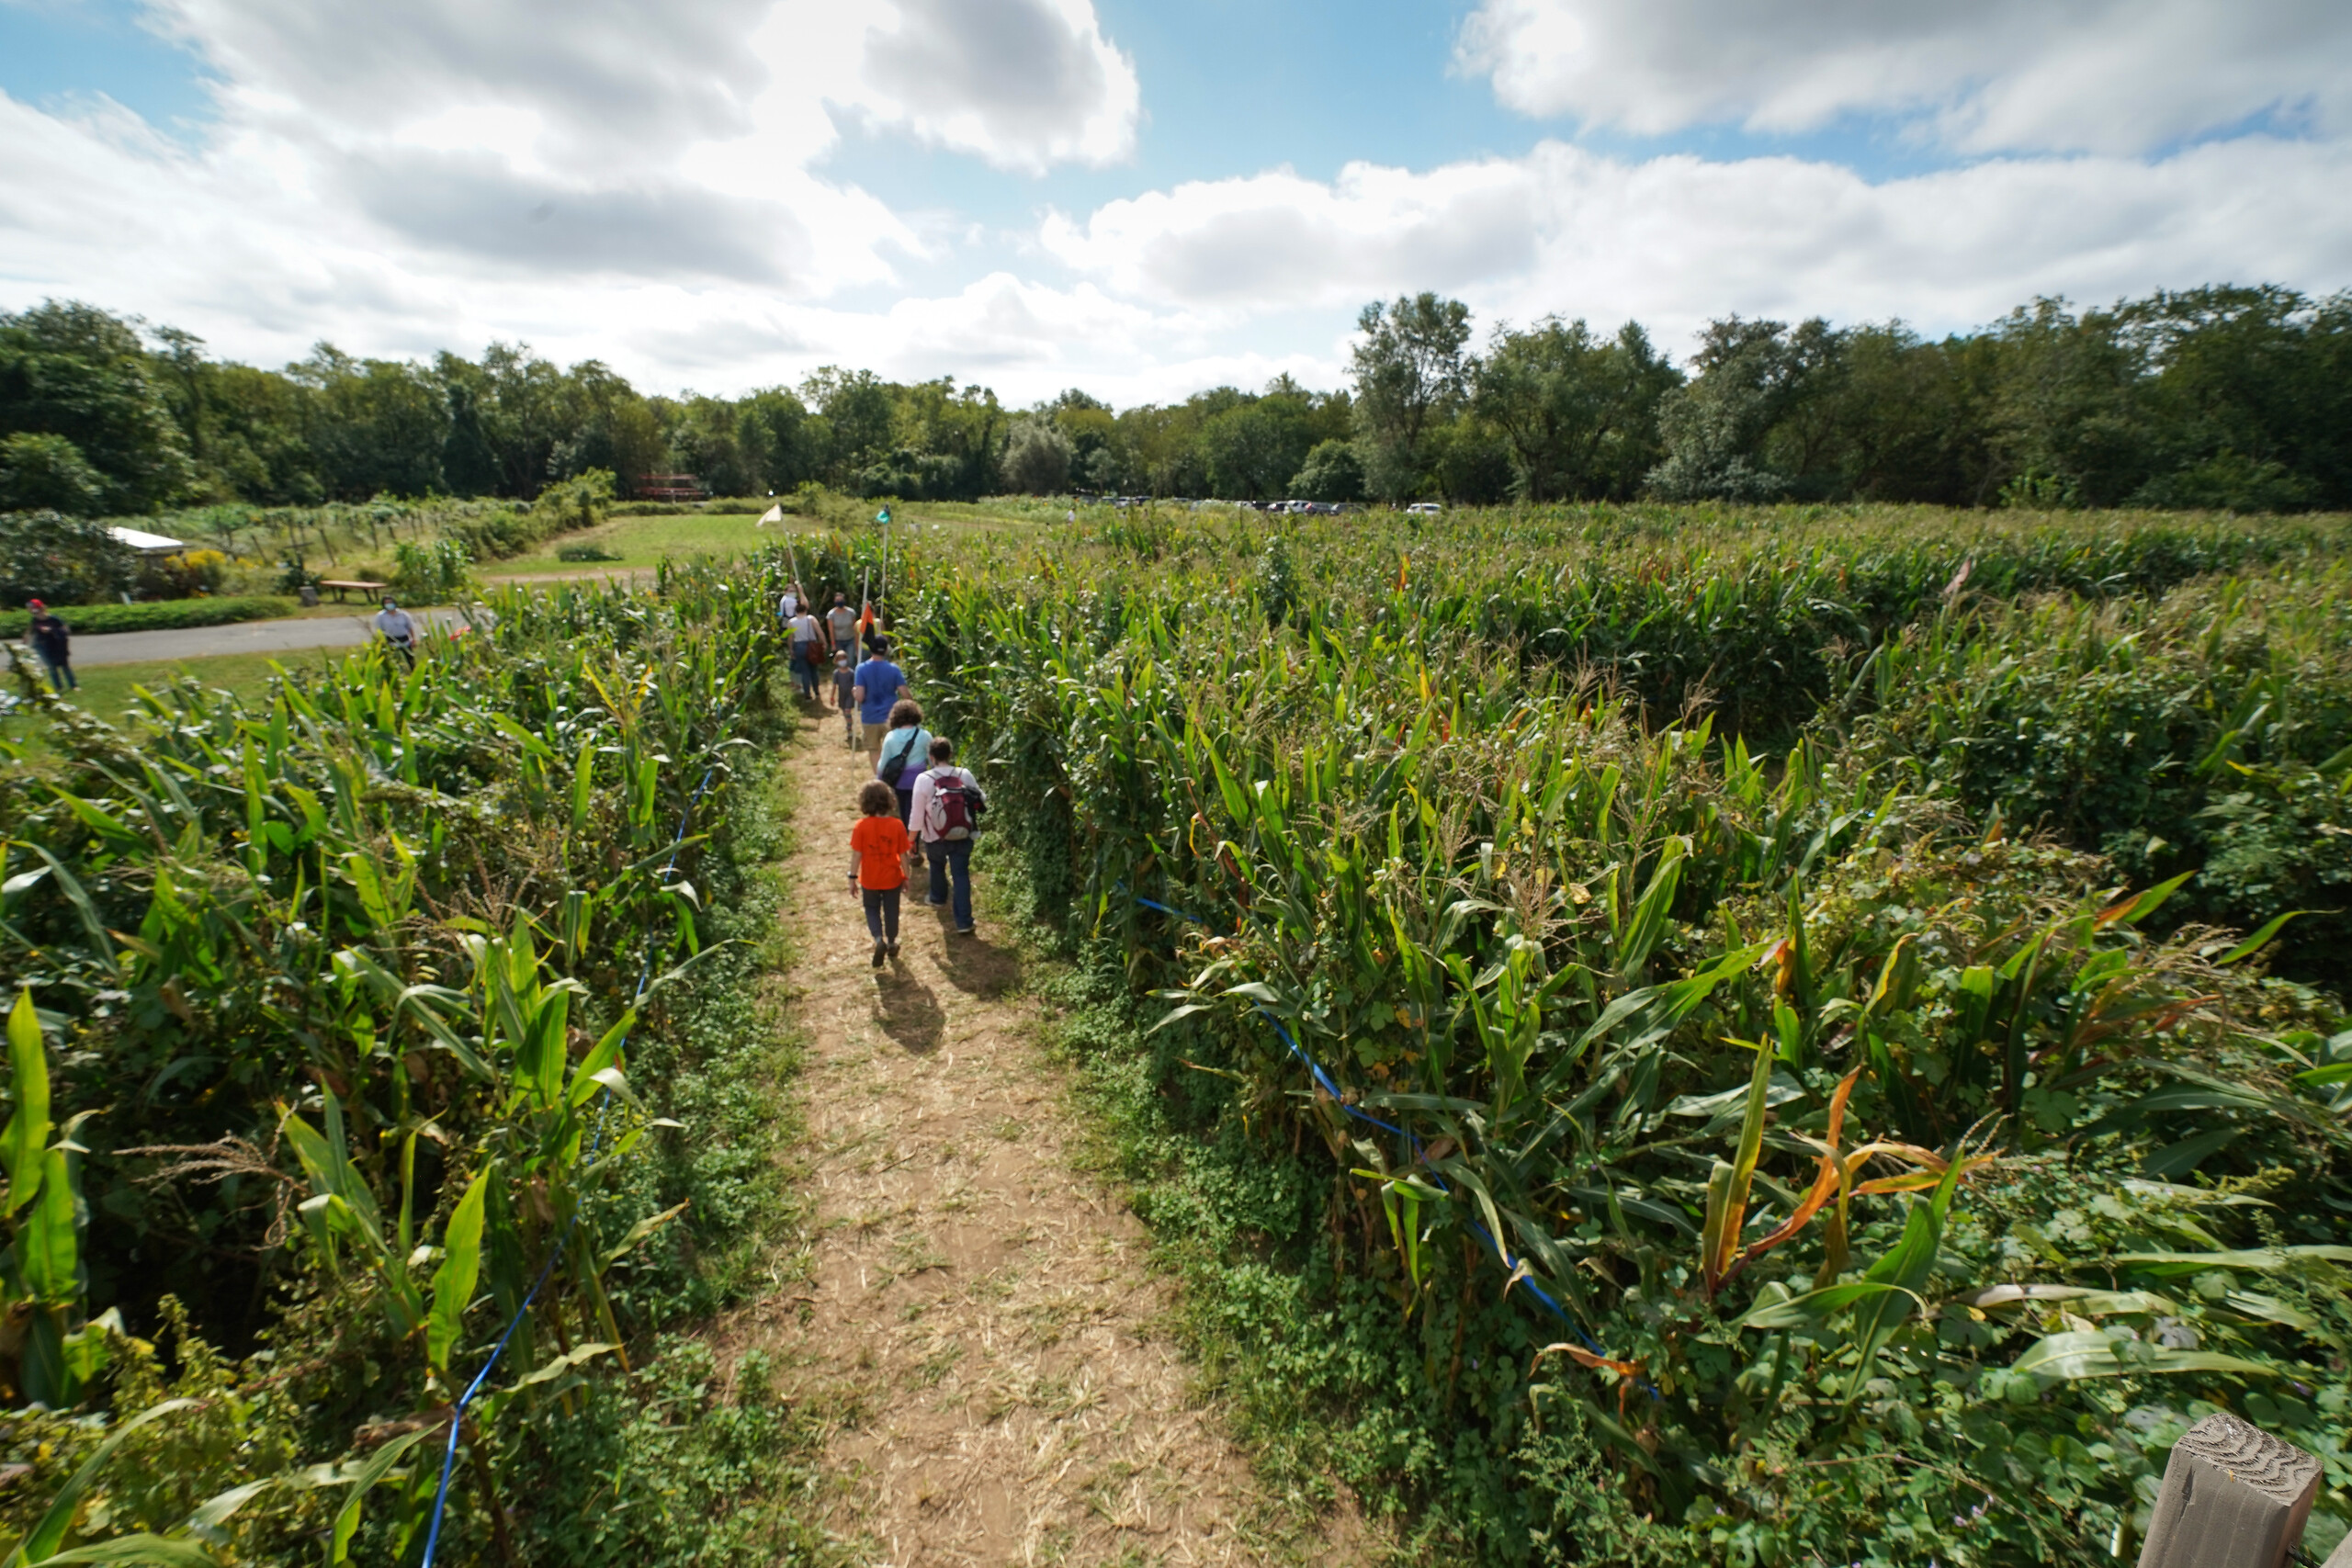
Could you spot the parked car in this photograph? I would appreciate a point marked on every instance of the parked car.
(1424, 508)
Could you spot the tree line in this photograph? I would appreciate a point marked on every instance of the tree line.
(2226, 396)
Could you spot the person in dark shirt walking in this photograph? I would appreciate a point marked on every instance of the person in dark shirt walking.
(53, 643)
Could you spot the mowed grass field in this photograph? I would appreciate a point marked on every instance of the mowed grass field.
(642, 543)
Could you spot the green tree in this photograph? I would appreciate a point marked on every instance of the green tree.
(1037, 457)
(1409, 372)
(468, 464)
(604, 424)
(953, 432)
(1331, 472)
(1754, 425)
(375, 426)
(1252, 449)
(1907, 420)
(73, 371)
(1579, 412)
(2068, 422)
(40, 472)
(860, 417)
(705, 441)
(257, 443)
(2251, 403)
(67, 560)
(1467, 462)
(777, 440)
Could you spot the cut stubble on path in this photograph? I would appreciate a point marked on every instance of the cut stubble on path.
(979, 1326)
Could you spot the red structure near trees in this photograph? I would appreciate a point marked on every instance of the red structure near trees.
(669, 487)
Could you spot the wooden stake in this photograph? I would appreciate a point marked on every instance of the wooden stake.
(2234, 1496)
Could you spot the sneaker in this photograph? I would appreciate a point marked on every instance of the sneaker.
(879, 948)
(967, 930)
(894, 950)
(935, 903)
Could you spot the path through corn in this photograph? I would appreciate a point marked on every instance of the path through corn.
(977, 1322)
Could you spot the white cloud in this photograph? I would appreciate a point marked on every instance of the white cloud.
(1997, 75)
(1242, 245)
(399, 177)
(1674, 240)
(652, 187)
(1024, 83)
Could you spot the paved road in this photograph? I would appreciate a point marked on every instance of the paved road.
(245, 637)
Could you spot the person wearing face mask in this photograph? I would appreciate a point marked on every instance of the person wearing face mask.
(398, 627)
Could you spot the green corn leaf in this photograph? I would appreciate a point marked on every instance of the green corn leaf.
(101, 943)
(216, 1511)
(48, 1250)
(637, 1233)
(607, 1053)
(40, 1543)
(2267, 1259)
(2088, 1353)
(1812, 1307)
(453, 1280)
(26, 1138)
(141, 1548)
(2260, 939)
(380, 1464)
(2149, 902)
(1906, 1268)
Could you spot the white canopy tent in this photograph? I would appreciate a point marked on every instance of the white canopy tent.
(148, 544)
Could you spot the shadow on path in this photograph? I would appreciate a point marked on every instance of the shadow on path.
(908, 1011)
(974, 966)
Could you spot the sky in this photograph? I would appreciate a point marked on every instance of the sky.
(1141, 197)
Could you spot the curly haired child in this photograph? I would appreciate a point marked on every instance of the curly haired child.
(877, 865)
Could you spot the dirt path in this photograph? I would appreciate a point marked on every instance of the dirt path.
(979, 1321)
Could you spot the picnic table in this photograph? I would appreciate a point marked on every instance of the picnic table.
(356, 585)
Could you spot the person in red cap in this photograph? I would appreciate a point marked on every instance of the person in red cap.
(52, 640)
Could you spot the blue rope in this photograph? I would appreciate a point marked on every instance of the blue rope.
(458, 1411)
(1323, 1080)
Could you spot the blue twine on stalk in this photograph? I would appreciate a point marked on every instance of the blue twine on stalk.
(1323, 1080)
(458, 1411)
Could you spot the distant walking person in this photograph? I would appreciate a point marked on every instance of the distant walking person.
(807, 646)
(841, 621)
(845, 695)
(788, 604)
(877, 865)
(879, 684)
(399, 628)
(53, 645)
(947, 806)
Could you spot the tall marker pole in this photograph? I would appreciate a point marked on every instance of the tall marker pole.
(883, 517)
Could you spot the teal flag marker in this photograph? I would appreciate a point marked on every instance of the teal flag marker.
(883, 516)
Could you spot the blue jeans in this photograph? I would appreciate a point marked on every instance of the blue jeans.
(952, 856)
(882, 911)
(804, 674)
(61, 674)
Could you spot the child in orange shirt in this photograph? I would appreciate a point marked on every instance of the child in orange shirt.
(877, 863)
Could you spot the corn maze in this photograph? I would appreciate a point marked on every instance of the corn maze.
(1784, 1036)
(1817, 1058)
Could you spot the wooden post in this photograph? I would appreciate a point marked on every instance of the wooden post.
(2234, 1496)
